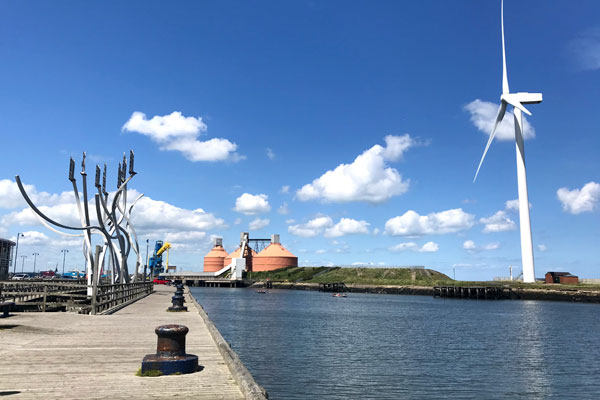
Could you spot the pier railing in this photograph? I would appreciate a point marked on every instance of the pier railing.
(54, 296)
(109, 297)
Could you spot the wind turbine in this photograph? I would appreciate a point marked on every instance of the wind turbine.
(517, 100)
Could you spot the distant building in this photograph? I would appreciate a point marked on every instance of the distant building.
(5, 257)
(562, 277)
(274, 256)
(172, 268)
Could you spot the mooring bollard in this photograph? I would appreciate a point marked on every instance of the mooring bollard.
(170, 357)
(178, 300)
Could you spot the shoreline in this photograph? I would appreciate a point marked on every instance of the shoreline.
(550, 294)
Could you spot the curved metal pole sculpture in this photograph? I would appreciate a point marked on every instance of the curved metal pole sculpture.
(118, 239)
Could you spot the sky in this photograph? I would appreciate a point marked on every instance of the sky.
(352, 129)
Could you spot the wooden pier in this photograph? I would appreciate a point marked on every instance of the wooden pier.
(76, 356)
(333, 287)
(470, 292)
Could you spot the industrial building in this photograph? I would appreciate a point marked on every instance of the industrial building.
(562, 277)
(259, 258)
(5, 257)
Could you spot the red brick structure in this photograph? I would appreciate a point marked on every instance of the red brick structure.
(562, 277)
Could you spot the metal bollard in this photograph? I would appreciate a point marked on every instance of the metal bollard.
(170, 357)
(178, 300)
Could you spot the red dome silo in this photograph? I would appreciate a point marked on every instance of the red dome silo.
(215, 258)
(236, 254)
(275, 256)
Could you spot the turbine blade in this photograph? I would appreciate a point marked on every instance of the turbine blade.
(517, 104)
(499, 116)
(505, 89)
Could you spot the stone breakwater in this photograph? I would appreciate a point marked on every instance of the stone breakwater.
(582, 295)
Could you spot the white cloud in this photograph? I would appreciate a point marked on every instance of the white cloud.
(251, 204)
(483, 116)
(499, 222)
(283, 209)
(542, 247)
(513, 205)
(320, 251)
(375, 231)
(237, 221)
(178, 133)
(270, 154)
(185, 236)
(284, 189)
(149, 214)
(429, 247)
(347, 226)
(368, 178)
(585, 49)
(10, 196)
(471, 247)
(258, 223)
(290, 221)
(312, 228)
(577, 201)
(324, 225)
(413, 224)
(491, 246)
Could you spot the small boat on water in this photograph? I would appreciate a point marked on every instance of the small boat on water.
(339, 295)
(261, 291)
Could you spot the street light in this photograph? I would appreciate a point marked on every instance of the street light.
(34, 260)
(64, 251)
(16, 253)
(23, 263)
(146, 266)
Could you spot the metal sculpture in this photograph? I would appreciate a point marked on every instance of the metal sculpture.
(517, 100)
(113, 222)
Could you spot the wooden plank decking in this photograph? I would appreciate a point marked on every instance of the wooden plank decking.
(75, 356)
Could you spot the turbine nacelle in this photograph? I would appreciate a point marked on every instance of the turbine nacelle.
(518, 99)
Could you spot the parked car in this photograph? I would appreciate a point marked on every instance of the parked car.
(160, 281)
(19, 277)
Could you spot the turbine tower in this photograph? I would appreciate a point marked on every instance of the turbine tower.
(517, 100)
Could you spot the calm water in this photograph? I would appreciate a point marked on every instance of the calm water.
(301, 345)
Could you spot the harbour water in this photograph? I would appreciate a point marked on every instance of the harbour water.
(301, 345)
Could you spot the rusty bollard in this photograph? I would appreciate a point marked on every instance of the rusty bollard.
(170, 357)
(178, 300)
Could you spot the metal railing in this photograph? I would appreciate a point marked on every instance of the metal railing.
(110, 296)
(46, 296)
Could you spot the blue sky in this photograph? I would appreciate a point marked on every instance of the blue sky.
(255, 113)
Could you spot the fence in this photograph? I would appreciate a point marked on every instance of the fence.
(51, 296)
(107, 297)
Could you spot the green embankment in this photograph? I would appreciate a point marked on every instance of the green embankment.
(392, 277)
(364, 276)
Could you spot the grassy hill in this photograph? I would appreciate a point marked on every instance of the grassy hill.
(365, 276)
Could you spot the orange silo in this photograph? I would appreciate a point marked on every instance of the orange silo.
(214, 260)
(236, 254)
(274, 256)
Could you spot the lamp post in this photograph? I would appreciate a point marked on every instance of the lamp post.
(64, 251)
(146, 265)
(34, 260)
(23, 263)
(454, 273)
(16, 253)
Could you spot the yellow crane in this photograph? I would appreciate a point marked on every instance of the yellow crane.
(165, 247)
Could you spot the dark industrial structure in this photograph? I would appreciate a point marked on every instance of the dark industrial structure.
(5, 257)
(562, 277)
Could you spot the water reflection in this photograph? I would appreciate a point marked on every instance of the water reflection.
(309, 345)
